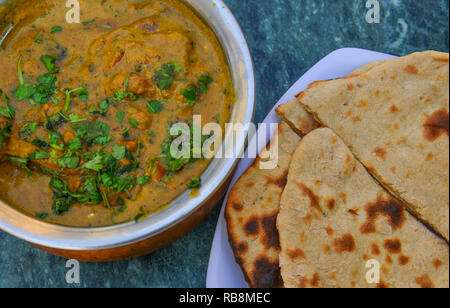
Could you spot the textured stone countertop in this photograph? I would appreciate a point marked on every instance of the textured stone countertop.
(286, 38)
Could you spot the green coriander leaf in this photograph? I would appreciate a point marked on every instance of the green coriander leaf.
(143, 180)
(28, 129)
(126, 132)
(69, 162)
(204, 82)
(154, 106)
(21, 162)
(74, 118)
(194, 183)
(5, 132)
(42, 215)
(165, 77)
(85, 23)
(139, 147)
(119, 116)
(119, 152)
(19, 71)
(8, 111)
(75, 145)
(95, 164)
(38, 155)
(134, 123)
(141, 214)
(125, 183)
(49, 62)
(93, 133)
(24, 91)
(41, 144)
(37, 38)
(191, 93)
(56, 29)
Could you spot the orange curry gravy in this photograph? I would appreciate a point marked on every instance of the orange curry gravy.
(85, 108)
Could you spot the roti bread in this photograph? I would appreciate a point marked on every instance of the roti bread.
(251, 213)
(335, 218)
(395, 120)
(302, 121)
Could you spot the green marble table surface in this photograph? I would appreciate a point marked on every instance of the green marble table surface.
(286, 38)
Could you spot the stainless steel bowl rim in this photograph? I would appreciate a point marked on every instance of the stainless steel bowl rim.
(229, 33)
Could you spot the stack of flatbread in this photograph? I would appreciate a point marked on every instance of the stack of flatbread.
(363, 199)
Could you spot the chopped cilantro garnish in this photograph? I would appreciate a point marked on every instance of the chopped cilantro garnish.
(49, 62)
(74, 118)
(90, 192)
(75, 145)
(143, 180)
(154, 106)
(104, 104)
(204, 82)
(93, 133)
(165, 77)
(24, 91)
(193, 92)
(41, 144)
(121, 95)
(119, 152)
(141, 214)
(95, 164)
(81, 92)
(194, 183)
(21, 162)
(7, 111)
(119, 116)
(56, 29)
(139, 147)
(38, 155)
(85, 23)
(69, 162)
(5, 132)
(54, 121)
(37, 38)
(63, 199)
(19, 71)
(174, 164)
(42, 215)
(45, 88)
(126, 132)
(133, 122)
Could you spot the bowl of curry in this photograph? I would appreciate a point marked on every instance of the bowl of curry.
(88, 96)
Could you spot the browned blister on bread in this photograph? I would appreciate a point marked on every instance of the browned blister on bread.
(338, 226)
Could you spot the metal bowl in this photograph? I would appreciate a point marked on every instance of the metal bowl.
(137, 238)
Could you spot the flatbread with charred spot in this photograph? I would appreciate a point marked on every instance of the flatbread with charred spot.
(252, 210)
(334, 218)
(395, 120)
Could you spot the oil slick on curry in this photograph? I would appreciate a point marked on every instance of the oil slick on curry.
(85, 108)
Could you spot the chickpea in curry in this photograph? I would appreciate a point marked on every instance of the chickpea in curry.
(85, 108)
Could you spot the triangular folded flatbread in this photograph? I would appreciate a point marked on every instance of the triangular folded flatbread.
(337, 226)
